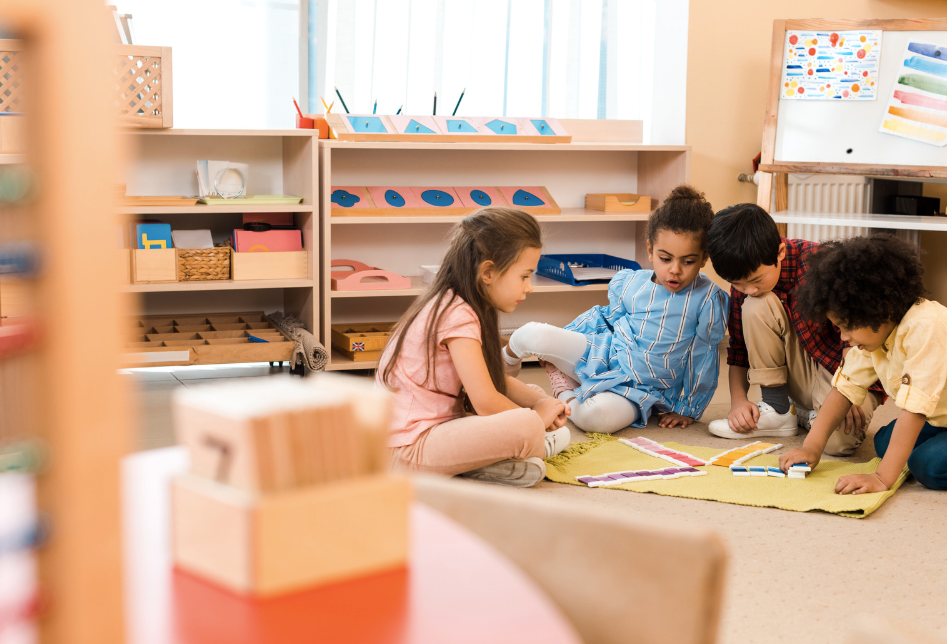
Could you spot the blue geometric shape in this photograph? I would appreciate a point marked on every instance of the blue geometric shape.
(459, 125)
(502, 127)
(481, 198)
(416, 128)
(542, 127)
(394, 199)
(368, 124)
(523, 198)
(344, 198)
(153, 236)
(437, 198)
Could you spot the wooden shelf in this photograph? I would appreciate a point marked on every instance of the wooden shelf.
(236, 209)
(215, 285)
(540, 285)
(339, 362)
(201, 132)
(568, 215)
(531, 147)
(899, 222)
(865, 169)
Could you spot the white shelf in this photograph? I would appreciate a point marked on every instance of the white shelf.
(531, 147)
(215, 285)
(540, 285)
(209, 210)
(898, 222)
(568, 215)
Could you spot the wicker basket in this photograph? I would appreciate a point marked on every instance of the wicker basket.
(195, 264)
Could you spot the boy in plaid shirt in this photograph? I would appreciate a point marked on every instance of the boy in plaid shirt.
(771, 344)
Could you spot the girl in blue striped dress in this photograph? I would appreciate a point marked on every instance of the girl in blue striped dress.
(653, 348)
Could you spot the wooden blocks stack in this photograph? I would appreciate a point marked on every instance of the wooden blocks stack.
(287, 488)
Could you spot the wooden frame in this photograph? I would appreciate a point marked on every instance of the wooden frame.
(340, 130)
(772, 194)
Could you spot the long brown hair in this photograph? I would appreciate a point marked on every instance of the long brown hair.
(496, 235)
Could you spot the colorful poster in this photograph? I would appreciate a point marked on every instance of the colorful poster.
(831, 65)
(918, 105)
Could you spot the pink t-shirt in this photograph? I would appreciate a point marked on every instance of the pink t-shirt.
(420, 405)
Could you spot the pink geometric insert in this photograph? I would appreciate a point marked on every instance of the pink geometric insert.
(495, 198)
(378, 196)
(423, 204)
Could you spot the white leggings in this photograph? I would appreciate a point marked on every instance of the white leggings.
(605, 412)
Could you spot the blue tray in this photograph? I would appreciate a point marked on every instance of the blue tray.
(557, 266)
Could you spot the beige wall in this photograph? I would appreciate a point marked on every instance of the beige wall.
(728, 57)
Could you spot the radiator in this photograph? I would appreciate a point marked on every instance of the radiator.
(834, 193)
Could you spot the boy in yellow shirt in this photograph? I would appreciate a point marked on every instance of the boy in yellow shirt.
(872, 288)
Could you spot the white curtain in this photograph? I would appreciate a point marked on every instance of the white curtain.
(559, 58)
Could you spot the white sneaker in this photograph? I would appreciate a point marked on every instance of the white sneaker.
(557, 441)
(514, 473)
(769, 424)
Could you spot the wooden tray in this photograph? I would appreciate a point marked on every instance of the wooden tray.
(158, 201)
(371, 210)
(362, 342)
(353, 280)
(162, 341)
(252, 200)
(617, 202)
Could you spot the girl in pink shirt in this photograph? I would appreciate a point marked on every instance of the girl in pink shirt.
(455, 410)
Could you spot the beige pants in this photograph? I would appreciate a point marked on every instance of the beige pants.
(465, 444)
(777, 358)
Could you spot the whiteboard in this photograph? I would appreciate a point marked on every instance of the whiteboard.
(825, 131)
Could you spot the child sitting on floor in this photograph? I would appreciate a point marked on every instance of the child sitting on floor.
(443, 361)
(654, 346)
(872, 288)
(771, 344)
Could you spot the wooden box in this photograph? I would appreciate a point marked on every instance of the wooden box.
(123, 266)
(142, 87)
(270, 266)
(224, 338)
(154, 265)
(265, 545)
(362, 342)
(618, 202)
(12, 133)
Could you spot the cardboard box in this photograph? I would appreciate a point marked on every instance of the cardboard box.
(264, 545)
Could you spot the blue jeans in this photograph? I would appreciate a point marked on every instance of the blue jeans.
(928, 461)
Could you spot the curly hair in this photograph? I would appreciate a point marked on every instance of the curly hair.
(862, 281)
(741, 239)
(685, 210)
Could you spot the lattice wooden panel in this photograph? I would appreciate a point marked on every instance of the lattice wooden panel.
(139, 90)
(11, 89)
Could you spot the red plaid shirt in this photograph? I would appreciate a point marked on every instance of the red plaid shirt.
(821, 341)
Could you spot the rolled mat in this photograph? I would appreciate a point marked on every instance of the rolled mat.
(308, 350)
(604, 454)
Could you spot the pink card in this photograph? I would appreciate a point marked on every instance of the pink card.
(350, 197)
(477, 197)
(393, 197)
(272, 218)
(524, 197)
(247, 241)
(437, 197)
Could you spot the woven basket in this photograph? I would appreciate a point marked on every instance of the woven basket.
(204, 263)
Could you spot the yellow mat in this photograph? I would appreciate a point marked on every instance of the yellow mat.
(816, 492)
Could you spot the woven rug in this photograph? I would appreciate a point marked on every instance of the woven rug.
(603, 454)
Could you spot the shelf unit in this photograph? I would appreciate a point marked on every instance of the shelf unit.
(280, 162)
(568, 171)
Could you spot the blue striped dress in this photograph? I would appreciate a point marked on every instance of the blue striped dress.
(656, 348)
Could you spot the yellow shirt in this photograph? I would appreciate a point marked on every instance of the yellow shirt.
(911, 365)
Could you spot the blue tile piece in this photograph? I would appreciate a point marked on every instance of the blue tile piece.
(416, 128)
(524, 198)
(394, 199)
(367, 124)
(460, 125)
(344, 198)
(437, 198)
(480, 197)
(502, 127)
(542, 127)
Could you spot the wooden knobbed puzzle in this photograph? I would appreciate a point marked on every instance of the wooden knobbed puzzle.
(446, 129)
(419, 201)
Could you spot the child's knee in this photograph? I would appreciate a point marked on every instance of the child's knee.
(528, 339)
(882, 438)
(929, 470)
(599, 415)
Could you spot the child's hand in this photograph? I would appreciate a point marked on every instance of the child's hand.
(799, 455)
(743, 417)
(860, 484)
(671, 419)
(552, 411)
